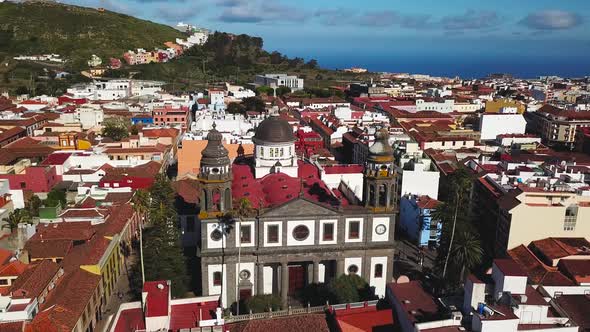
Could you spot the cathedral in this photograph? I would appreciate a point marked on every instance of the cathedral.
(289, 229)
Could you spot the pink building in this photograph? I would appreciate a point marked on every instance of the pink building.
(35, 179)
(171, 116)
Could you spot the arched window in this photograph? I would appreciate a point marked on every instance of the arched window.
(216, 278)
(378, 271)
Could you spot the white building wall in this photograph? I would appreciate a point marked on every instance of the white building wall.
(268, 279)
(216, 290)
(310, 224)
(420, 182)
(380, 221)
(378, 282)
(492, 125)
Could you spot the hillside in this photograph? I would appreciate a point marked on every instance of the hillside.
(75, 32)
(38, 27)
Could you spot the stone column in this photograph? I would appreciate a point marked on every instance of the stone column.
(259, 279)
(339, 267)
(204, 279)
(316, 272)
(284, 283)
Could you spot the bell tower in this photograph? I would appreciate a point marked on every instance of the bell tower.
(380, 178)
(215, 176)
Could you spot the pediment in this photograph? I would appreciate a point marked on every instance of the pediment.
(300, 207)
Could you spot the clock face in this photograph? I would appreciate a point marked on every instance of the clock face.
(380, 229)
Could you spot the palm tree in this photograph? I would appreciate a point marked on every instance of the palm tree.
(467, 252)
(460, 185)
(141, 202)
(245, 208)
(15, 218)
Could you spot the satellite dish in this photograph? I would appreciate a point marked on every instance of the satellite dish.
(403, 279)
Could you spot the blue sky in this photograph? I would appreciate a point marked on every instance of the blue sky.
(421, 28)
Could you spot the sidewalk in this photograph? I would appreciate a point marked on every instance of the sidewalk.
(122, 287)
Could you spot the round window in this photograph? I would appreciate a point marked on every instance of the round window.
(216, 235)
(244, 274)
(380, 229)
(353, 269)
(300, 233)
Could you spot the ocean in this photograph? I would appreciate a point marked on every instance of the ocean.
(464, 66)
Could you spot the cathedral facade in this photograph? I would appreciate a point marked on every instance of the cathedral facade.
(289, 229)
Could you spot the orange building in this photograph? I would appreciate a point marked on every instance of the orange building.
(189, 157)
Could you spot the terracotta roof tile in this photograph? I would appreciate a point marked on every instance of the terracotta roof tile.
(34, 279)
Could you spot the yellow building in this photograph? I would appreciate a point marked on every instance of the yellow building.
(495, 106)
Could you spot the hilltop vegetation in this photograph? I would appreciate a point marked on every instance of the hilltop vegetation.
(75, 32)
(231, 58)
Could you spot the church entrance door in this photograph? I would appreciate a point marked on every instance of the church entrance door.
(296, 278)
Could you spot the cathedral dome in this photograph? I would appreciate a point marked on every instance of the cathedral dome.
(214, 154)
(274, 130)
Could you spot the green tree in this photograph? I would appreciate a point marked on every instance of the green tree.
(33, 205)
(115, 128)
(261, 303)
(454, 214)
(55, 197)
(162, 252)
(254, 104)
(467, 253)
(317, 294)
(350, 288)
(22, 90)
(244, 208)
(235, 108)
(15, 218)
(141, 202)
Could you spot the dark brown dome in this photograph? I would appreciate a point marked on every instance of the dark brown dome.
(214, 154)
(274, 130)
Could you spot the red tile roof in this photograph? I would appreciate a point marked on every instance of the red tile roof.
(72, 296)
(555, 248)
(56, 159)
(364, 319)
(148, 170)
(14, 268)
(48, 249)
(75, 231)
(299, 323)
(185, 316)
(414, 301)
(578, 270)
(34, 279)
(576, 307)
(188, 189)
(509, 267)
(278, 188)
(344, 169)
(117, 198)
(538, 272)
(117, 220)
(425, 202)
